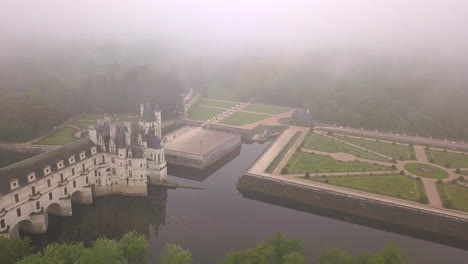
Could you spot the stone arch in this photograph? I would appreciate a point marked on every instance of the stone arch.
(23, 225)
(77, 197)
(54, 209)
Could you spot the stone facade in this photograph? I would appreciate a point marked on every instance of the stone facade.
(116, 158)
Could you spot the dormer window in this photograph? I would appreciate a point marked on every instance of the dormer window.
(82, 155)
(14, 184)
(129, 154)
(32, 176)
(93, 150)
(46, 170)
(60, 164)
(71, 160)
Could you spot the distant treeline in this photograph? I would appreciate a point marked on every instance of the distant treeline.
(412, 94)
(41, 87)
(44, 87)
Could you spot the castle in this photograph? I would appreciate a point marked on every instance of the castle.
(115, 158)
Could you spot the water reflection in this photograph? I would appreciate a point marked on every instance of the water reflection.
(108, 216)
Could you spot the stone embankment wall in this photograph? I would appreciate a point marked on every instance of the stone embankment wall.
(452, 229)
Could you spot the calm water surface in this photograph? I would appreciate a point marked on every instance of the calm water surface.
(212, 221)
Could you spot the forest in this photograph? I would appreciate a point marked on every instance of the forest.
(43, 85)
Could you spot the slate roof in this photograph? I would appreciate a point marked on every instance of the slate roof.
(148, 113)
(153, 141)
(21, 170)
(137, 152)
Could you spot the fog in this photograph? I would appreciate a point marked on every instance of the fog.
(224, 27)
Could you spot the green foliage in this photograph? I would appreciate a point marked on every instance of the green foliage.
(391, 254)
(13, 250)
(241, 118)
(63, 253)
(276, 250)
(174, 254)
(307, 175)
(134, 247)
(426, 170)
(103, 251)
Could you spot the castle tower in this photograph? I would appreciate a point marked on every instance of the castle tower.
(157, 168)
(150, 117)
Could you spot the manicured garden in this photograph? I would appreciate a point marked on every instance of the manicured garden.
(322, 143)
(243, 118)
(392, 185)
(396, 151)
(219, 104)
(92, 117)
(426, 170)
(62, 136)
(131, 119)
(266, 109)
(453, 160)
(204, 113)
(453, 196)
(302, 162)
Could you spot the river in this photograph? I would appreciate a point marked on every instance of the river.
(212, 221)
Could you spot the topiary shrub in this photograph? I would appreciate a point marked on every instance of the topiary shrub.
(307, 175)
(393, 167)
(284, 170)
(454, 181)
(458, 170)
(439, 181)
(393, 160)
(423, 199)
(402, 172)
(461, 178)
(447, 203)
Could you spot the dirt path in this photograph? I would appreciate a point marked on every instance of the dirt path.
(290, 152)
(374, 173)
(420, 154)
(432, 193)
(346, 157)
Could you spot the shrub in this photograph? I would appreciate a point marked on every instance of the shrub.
(461, 178)
(307, 175)
(439, 181)
(418, 178)
(284, 170)
(458, 170)
(447, 165)
(393, 160)
(393, 167)
(402, 172)
(454, 181)
(431, 160)
(447, 203)
(423, 199)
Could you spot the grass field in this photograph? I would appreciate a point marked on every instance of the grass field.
(426, 170)
(243, 118)
(204, 113)
(88, 117)
(220, 104)
(60, 137)
(83, 124)
(396, 151)
(266, 109)
(442, 158)
(323, 143)
(302, 162)
(391, 185)
(282, 153)
(455, 194)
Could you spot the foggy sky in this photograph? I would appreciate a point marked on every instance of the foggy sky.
(433, 25)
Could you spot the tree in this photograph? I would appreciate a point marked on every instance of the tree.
(293, 258)
(174, 254)
(334, 256)
(391, 254)
(134, 247)
(307, 175)
(64, 253)
(282, 246)
(458, 170)
(103, 251)
(13, 250)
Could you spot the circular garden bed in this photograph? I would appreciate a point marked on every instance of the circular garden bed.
(426, 170)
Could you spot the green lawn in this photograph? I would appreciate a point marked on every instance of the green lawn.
(83, 124)
(426, 170)
(302, 162)
(60, 137)
(396, 151)
(243, 118)
(454, 196)
(282, 153)
(220, 104)
(323, 143)
(455, 160)
(392, 185)
(266, 109)
(88, 117)
(204, 113)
